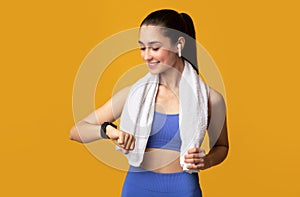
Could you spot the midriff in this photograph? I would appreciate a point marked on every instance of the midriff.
(161, 160)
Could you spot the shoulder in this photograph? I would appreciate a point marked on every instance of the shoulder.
(145, 80)
(216, 107)
(215, 98)
(122, 94)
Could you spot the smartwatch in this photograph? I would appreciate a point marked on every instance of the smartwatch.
(103, 129)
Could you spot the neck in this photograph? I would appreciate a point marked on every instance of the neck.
(172, 76)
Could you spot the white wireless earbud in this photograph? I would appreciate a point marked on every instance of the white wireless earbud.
(179, 49)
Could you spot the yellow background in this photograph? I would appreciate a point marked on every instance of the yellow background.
(254, 43)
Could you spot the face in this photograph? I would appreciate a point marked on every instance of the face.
(156, 49)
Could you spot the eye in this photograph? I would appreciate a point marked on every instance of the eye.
(155, 48)
(142, 48)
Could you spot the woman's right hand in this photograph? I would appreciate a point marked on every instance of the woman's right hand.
(122, 139)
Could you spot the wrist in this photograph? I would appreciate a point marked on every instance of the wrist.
(109, 130)
(208, 161)
(106, 129)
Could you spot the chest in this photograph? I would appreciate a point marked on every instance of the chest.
(167, 101)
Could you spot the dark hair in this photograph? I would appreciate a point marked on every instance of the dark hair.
(176, 25)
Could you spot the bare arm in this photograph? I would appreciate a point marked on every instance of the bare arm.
(88, 129)
(218, 137)
(217, 130)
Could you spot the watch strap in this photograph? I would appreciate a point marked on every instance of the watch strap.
(103, 129)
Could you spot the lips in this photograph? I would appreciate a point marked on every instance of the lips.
(152, 64)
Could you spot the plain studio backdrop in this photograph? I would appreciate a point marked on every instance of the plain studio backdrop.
(255, 45)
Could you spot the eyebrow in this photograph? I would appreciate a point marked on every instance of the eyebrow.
(150, 43)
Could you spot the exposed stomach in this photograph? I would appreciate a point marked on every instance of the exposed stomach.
(161, 160)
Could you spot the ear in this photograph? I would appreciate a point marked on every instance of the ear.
(181, 41)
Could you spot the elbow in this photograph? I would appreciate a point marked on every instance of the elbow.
(225, 152)
(74, 135)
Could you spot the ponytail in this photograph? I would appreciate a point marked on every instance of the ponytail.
(190, 50)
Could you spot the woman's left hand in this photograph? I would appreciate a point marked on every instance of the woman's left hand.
(196, 157)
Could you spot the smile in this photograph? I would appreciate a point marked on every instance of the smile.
(152, 64)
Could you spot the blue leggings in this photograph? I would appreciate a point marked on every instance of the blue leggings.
(144, 183)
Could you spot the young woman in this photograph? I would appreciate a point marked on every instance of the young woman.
(158, 166)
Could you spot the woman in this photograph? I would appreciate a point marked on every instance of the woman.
(168, 47)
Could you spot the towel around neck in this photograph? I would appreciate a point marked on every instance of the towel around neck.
(138, 112)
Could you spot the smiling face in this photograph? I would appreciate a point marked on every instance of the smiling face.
(157, 50)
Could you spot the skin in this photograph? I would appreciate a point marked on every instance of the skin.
(161, 57)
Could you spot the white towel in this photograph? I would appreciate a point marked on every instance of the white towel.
(138, 112)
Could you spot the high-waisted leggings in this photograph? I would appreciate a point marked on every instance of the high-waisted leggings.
(142, 183)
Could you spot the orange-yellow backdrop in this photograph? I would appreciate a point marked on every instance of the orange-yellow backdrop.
(254, 43)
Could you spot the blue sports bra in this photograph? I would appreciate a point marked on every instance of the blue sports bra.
(165, 132)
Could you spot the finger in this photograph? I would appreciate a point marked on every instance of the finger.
(132, 143)
(193, 150)
(125, 151)
(128, 143)
(196, 167)
(125, 139)
(121, 146)
(121, 138)
(202, 153)
(192, 155)
(192, 167)
(191, 161)
(194, 161)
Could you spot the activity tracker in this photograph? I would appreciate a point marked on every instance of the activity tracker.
(103, 129)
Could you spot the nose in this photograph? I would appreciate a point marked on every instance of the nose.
(147, 54)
